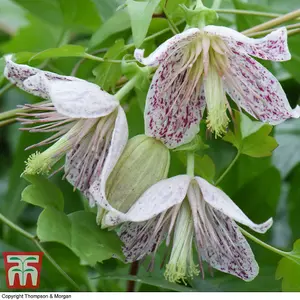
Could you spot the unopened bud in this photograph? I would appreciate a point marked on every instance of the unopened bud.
(144, 162)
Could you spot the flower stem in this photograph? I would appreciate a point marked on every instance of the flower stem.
(264, 32)
(199, 4)
(247, 12)
(172, 25)
(101, 59)
(38, 244)
(127, 87)
(228, 168)
(190, 164)
(263, 244)
(6, 88)
(216, 4)
(272, 23)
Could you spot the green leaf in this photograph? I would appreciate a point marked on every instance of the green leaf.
(117, 23)
(42, 193)
(90, 242)
(289, 270)
(251, 137)
(287, 155)
(205, 167)
(79, 232)
(35, 36)
(106, 8)
(54, 226)
(63, 51)
(107, 74)
(140, 17)
(75, 14)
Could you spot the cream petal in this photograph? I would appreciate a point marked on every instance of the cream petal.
(233, 254)
(167, 48)
(271, 47)
(158, 198)
(221, 202)
(72, 97)
(173, 108)
(256, 90)
(97, 192)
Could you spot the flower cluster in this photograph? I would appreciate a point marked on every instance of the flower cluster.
(128, 180)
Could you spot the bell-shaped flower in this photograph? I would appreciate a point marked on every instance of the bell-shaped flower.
(189, 210)
(87, 124)
(196, 69)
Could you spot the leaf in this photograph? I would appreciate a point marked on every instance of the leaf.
(289, 270)
(90, 242)
(117, 23)
(79, 232)
(63, 51)
(251, 137)
(42, 193)
(54, 226)
(205, 167)
(106, 8)
(35, 36)
(287, 155)
(140, 17)
(107, 74)
(75, 14)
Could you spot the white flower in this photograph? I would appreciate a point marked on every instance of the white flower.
(87, 124)
(188, 209)
(197, 68)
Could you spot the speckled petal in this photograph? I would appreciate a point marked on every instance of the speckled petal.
(271, 47)
(167, 48)
(221, 202)
(171, 115)
(233, 254)
(158, 198)
(256, 90)
(97, 193)
(72, 97)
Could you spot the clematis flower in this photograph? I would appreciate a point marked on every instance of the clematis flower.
(87, 124)
(189, 210)
(197, 68)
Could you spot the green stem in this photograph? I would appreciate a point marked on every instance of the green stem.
(101, 59)
(10, 113)
(216, 4)
(228, 168)
(190, 164)
(248, 12)
(127, 87)
(37, 243)
(6, 88)
(172, 25)
(263, 244)
(199, 4)
(275, 22)
(265, 32)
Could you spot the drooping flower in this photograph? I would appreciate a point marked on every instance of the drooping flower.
(197, 68)
(189, 210)
(87, 124)
(144, 162)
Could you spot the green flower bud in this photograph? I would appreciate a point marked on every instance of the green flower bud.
(200, 16)
(144, 162)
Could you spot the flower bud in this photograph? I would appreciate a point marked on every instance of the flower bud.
(144, 162)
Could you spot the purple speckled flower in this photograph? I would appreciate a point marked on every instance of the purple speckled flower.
(197, 68)
(189, 210)
(87, 124)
